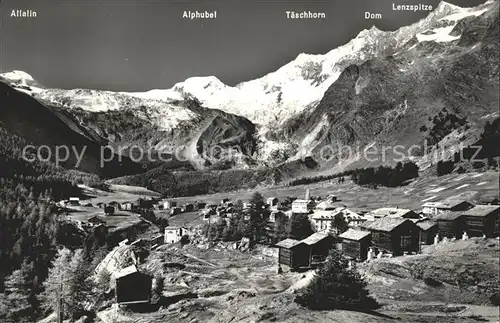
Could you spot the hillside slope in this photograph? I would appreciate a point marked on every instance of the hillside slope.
(40, 124)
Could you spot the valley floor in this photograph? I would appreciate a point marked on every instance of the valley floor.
(474, 187)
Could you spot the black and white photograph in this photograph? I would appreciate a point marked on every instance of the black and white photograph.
(249, 161)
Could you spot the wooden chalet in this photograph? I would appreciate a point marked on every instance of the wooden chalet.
(450, 224)
(448, 205)
(128, 206)
(96, 220)
(319, 246)
(394, 235)
(293, 253)
(355, 243)
(482, 220)
(201, 205)
(109, 210)
(392, 212)
(428, 230)
(132, 286)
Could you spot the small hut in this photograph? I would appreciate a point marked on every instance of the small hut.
(450, 224)
(355, 243)
(293, 253)
(320, 244)
(132, 286)
(428, 230)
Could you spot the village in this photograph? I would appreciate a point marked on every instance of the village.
(367, 235)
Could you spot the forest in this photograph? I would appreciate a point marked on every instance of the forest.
(29, 226)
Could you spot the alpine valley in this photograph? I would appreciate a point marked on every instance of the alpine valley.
(433, 84)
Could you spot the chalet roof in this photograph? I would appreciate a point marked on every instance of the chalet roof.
(445, 204)
(96, 218)
(482, 210)
(315, 238)
(172, 228)
(126, 271)
(300, 201)
(288, 243)
(448, 216)
(326, 205)
(426, 225)
(392, 212)
(330, 214)
(352, 234)
(386, 224)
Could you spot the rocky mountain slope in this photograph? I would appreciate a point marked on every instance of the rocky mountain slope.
(424, 94)
(435, 81)
(42, 125)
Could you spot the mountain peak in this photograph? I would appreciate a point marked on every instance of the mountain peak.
(20, 78)
(443, 5)
(17, 75)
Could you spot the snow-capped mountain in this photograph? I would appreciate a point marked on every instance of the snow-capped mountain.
(290, 110)
(277, 96)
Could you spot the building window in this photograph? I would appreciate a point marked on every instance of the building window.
(406, 242)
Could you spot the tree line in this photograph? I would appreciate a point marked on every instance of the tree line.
(385, 175)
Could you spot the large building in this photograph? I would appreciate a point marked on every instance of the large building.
(302, 206)
(323, 219)
(174, 234)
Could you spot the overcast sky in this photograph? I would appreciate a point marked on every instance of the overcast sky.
(127, 45)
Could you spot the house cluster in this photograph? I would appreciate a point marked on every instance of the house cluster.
(174, 208)
(392, 231)
(222, 211)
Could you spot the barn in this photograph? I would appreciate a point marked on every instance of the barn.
(132, 286)
(450, 224)
(482, 220)
(428, 230)
(355, 243)
(319, 244)
(293, 253)
(394, 235)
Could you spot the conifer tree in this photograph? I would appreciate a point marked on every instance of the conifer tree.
(336, 285)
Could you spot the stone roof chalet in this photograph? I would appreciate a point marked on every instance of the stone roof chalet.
(315, 238)
(356, 235)
(288, 243)
(394, 212)
(482, 211)
(386, 224)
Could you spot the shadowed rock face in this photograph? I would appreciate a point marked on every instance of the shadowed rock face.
(42, 125)
(390, 100)
(131, 126)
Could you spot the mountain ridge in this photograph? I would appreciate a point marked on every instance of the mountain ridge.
(283, 116)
